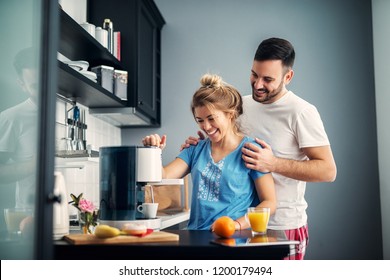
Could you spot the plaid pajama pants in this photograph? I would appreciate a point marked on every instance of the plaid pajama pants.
(302, 235)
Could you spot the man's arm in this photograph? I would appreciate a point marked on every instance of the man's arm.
(320, 167)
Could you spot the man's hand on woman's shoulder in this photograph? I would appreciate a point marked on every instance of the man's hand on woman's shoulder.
(192, 140)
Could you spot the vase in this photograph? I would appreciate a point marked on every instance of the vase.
(87, 222)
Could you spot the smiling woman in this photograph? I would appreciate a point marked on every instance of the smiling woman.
(222, 185)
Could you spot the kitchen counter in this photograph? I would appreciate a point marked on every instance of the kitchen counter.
(192, 245)
(179, 220)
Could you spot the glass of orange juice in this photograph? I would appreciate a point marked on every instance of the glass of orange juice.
(258, 218)
(14, 217)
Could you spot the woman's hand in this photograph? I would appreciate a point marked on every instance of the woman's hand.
(155, 140)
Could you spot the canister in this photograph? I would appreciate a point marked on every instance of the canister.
(89, 27)
(120, 84)
(105, 76)
(101, 36)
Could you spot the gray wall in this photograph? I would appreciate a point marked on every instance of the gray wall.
(333, 70)
(381, 27)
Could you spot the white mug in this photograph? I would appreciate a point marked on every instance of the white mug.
(148, 209)
(90, 28)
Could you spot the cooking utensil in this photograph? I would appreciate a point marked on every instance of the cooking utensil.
(76, 117)
(66, 142)
(80, 125)
(84, 134)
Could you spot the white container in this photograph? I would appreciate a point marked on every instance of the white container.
(60, 210)
(90, 28)
(105, 76)
(76, 9)
(101, 35)
(149, 164)
(120, 84)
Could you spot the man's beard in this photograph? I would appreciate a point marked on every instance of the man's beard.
(269, 97)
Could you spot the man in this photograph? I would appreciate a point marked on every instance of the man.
(18, 126)
(295, 145)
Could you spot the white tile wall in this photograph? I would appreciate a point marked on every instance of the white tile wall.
(98, 134)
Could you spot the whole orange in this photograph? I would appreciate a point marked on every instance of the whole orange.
(224, 227)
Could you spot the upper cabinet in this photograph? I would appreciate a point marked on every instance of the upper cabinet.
(140, 24)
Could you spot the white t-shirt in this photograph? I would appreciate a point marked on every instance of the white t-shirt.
(18, 126)
(287, 125)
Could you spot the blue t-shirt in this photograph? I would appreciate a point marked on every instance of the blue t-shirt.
(224, 188)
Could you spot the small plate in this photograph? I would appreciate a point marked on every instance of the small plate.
(80, 65)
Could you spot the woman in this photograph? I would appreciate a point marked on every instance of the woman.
(222, 185)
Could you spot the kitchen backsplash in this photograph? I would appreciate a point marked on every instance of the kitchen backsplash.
(98, 134)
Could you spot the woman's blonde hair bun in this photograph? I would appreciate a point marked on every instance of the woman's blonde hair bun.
(211, 80)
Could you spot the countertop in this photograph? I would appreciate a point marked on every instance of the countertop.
(192, 245)
(168, 220)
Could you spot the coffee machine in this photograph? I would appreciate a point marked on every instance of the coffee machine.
(124, 172)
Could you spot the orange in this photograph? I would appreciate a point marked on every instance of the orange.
(27, 226)
(224, 227)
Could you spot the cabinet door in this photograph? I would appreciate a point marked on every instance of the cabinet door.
(147, 84)
(27, 118)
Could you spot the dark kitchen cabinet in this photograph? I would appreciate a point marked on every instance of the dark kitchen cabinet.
(140, 24)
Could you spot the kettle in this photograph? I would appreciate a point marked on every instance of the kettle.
(60, 209)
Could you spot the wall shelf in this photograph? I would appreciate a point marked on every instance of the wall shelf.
(140, 24)
(77, 44)
(78, 88)
(79, 163)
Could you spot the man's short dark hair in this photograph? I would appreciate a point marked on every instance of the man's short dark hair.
(276, 49)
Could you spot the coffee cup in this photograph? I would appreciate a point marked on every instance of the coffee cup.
(258, 218)
(148, 209)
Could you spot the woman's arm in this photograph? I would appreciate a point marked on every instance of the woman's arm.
(265, 188)
(176, 169)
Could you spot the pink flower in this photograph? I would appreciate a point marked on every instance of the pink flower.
(86, 206)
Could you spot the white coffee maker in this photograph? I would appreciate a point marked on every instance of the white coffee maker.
(124, 172)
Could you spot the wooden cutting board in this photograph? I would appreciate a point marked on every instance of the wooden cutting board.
(157, 236)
